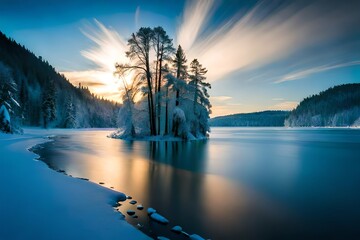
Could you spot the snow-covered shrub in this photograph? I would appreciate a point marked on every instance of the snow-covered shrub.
(180, 127)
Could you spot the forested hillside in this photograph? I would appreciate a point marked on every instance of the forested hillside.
(257, 119)
(337, 106)
(36, 95)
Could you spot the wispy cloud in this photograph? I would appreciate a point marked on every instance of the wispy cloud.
(137, 17)
(307, 72)
(109, 47)
(194, 19)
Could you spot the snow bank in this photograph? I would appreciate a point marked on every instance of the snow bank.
(38, 203)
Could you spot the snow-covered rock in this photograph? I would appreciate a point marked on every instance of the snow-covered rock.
(151, 211)
(196, 237)
(157, 217)
(180, 128)
(177, 229)
(140, 207)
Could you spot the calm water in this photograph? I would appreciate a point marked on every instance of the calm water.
(243, 183)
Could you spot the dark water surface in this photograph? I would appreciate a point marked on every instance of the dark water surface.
(243, 183)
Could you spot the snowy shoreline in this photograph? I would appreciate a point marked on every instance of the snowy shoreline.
(47, 205)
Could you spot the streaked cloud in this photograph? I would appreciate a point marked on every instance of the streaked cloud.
(307, 72)
(137, 17)
(109, 47)
(194, 19)
(265, 34)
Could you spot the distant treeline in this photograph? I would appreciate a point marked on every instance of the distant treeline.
(337, 106)
(36, 95)
(257, 119)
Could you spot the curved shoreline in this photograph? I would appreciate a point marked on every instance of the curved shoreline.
(55, 206)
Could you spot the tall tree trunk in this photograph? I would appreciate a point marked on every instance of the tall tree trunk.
(151, 100)
(178, 90)
(177, 97)
(158, 93)
(195, 97)
(167, 112)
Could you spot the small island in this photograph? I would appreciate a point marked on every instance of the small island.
(161, 96)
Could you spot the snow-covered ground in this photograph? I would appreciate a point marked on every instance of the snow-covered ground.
(37, 203)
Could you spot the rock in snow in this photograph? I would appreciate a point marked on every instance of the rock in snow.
(130, 212)
(140, 207)
(133, 202)
(159, 218)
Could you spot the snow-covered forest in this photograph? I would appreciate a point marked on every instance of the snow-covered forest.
(32, 93)
(162, 95)
(257, 119)
(337, 106)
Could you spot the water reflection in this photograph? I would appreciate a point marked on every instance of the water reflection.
(184, 155)
(242, 183)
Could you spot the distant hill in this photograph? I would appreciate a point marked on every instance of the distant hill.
(337, 106)
(257, 119)
(44, 95)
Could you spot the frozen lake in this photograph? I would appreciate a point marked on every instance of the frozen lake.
(243, 183)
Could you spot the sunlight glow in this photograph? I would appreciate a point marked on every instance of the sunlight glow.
(109, 47)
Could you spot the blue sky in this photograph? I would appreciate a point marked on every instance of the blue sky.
(260, 54)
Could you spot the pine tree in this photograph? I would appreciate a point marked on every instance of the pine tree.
(8, 89)
(49, 103)
(24, 101)
(70, 113)
(202, 106)
(179, 64)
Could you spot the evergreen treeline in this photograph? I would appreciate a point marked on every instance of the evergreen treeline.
(337, 106)
(257, 119)
(36, 95)
(173, 97)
